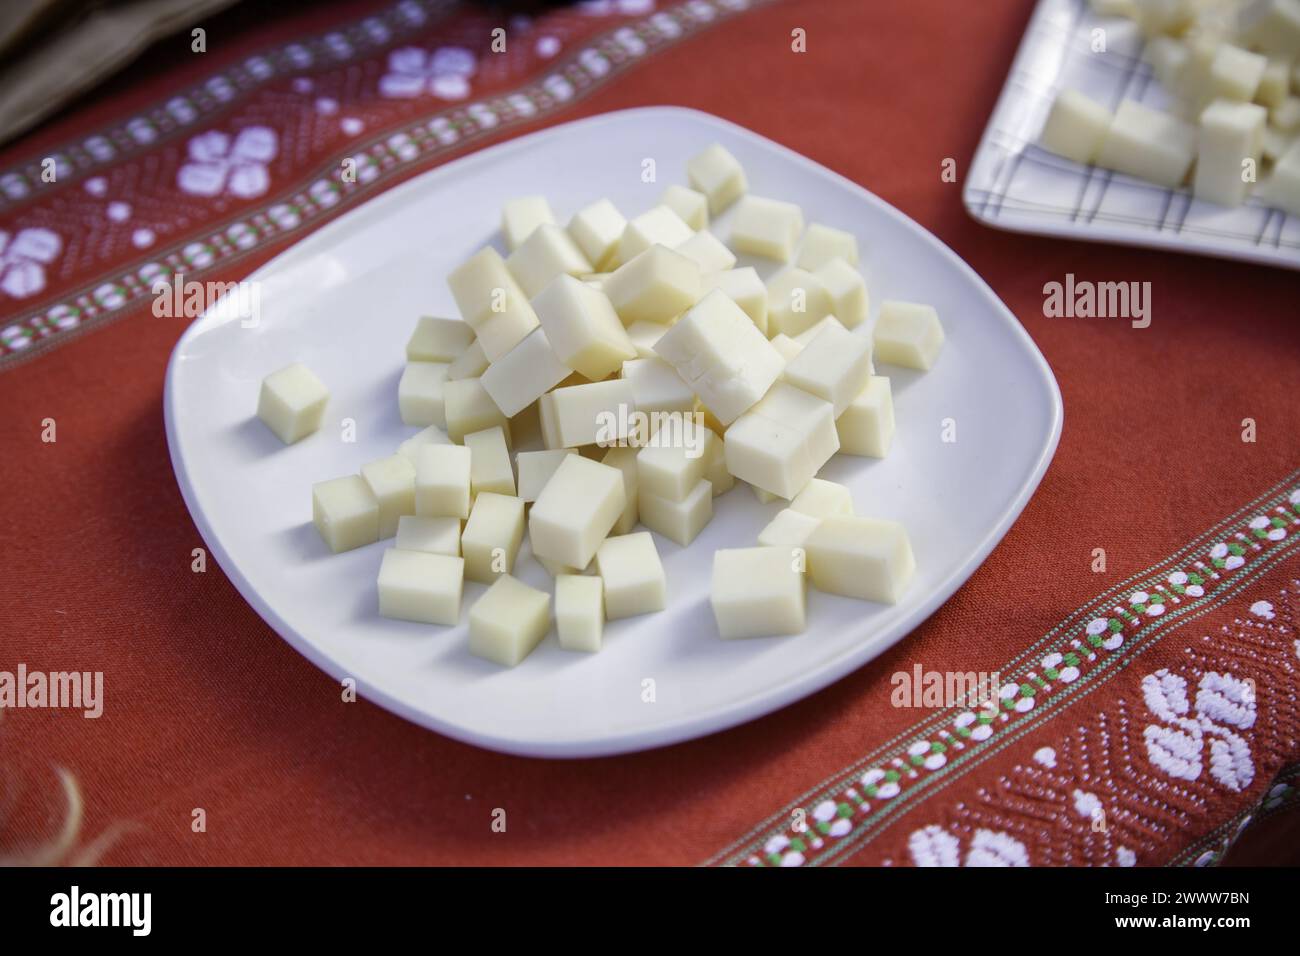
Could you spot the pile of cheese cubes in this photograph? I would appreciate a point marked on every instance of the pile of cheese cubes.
(609, 374)
(1234, 67)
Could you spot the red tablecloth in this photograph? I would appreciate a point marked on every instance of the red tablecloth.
(1155, 712)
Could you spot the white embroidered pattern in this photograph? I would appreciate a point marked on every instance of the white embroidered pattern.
(1177, 744)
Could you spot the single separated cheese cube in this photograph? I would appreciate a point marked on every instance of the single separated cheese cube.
(633, 575)
(834, 366)
(783, 441)
(508, 621)
(678, 521)
(583, 328)
(867, 426)
(707, 249)
(597, 229)
(525, 373)
(656, 386)
(536, 468)
(719, 353)
(438, 340)
(766, 227)
(469, 408)
(471, 363)
(908, 334)
(758, 592)
(796, 301)
(860, 557)
(392, 481)
(432, 535)
(743, 287)
(492, 302)
(520, 217)
(1148, 144)
(821, 499)
(659, 226)
(422, 587)
(579, 611)
(789, 528)
(576, 509)
(1075, 127)
(717, 174)
(822, 243)
(442, 481)
(691, 206)
(1232, 135)
(419, 394)
(599, 413)
(490, 468)
(847, 291)
(625, 460)
(656, 286)
(292, 402)
(492, 535)
(345, 512)
(547, 253)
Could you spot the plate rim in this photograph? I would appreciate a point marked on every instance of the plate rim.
(688, 727)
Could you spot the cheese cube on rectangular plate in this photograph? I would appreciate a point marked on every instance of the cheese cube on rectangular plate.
(492, 535)
(490, 468)
(908, 334)
(796, 301)
(575, 511)
(656, 286)
(822, 243)
(783, 441)
(599, 412)
(1075, 127)
(438, 340)
(519, 217)
(596, 229)
(633, 575)
(690, 205)
(583, 328)
(525, 373)
(717, 350)
(656, 386)
(434, 535)
(1283, 189)
(717, 174)
(292, 402)
(536, 468)
(866, 427)
(579, 611)
(821, 499)
(789, 528)
(392, 481)
(508, 621)
(766, 227)
(834, 366)
(419, 393)
(469, 408)
(491, 301)
(660, 226)
(345, 512)
(707, 249)
(442, 481)
(681, 520)
(1148, 144)
(863, 558)
(758, 592)
(1235, 74)
(1232, 135)
(743, 287)
(420, 586)
(847, 291)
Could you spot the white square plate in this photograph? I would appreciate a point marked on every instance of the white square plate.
(344, 301)
(1017, 185)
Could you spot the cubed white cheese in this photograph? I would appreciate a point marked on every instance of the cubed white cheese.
(576, 510)
(392, 481)
(656, 386)
(438, 340)
(823, 243)
(583, 328)
(717, 174)
(471, 363)
(508, 621)
(579, 612)
(766, 227)
(547, 253)
(743, 287)
(519, 217)
(656, 286)
(492, 302)
(908, 334)
(625, 460)
(796, 301)
(834, 366)
(469, 408)
(847, 291)
(858, 557)
(419, 393)
(433, 435)
(633, 575)
(692, 206)
(434, 535)
(345, 512)
(707, 249)
(758, 592)
(292, 402)
(867, 426)
(597, 229)
(1075, 127)
(821, 499)
(1148, 144)
(442, 481)
(783, 441)
(492, 535)
(659, 226)
(789, 528)
(536, 469)
(526, 373)
(1232, 136)
(419, 586)
(490, 468)
(596, 413)
(678, 521)
(644, 335)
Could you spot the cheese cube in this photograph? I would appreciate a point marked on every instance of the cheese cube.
(1272, 26)
(508, 621)
(673, 468)
(547, 253)
(442, 481)
(789, 528)
(834, 366)
(710, 420)
(492, 302)
(821, 499)
(678, 521)
(1235, 74)
(471, 363)
(520, 217)
(556, 568)
(1286, 116)
(1168, 58)
(579, 612)
(345, 512)
(292, 402)
(625, 460)
(660, 226)
(576, 510)
(743, 287)
(717, 174)
(422, 587)
(597, 229)
(691, 206)
(783, 441)
(1275, 84)
(807, 335)
(847, 291)
(596, 413)
(492, 535)
(633, 575)
(1283, 188)
(1274, 144)
(644, 335)
(536, 469)
(419, 393)
(1171, 17)
(860, 557)
(758, 592)
(907, 334)
(392, 481)
(867, 426)
(1231, 134)
(707, 249)
(715, 469)
(525, 373)
(656, 286)
(766, 497)
(796, 300)
(787, 346)
(434, 535)
(433, 435)
(583, 328)
(656, 386)
(1148, 144)
(1075, 127)
(490, 468)
(438, 340)
(469, 408)
(717, 350)
(822, 243)
(766, 227)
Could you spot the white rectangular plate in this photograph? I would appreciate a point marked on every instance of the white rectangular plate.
(1017, 185)
(344, 301)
